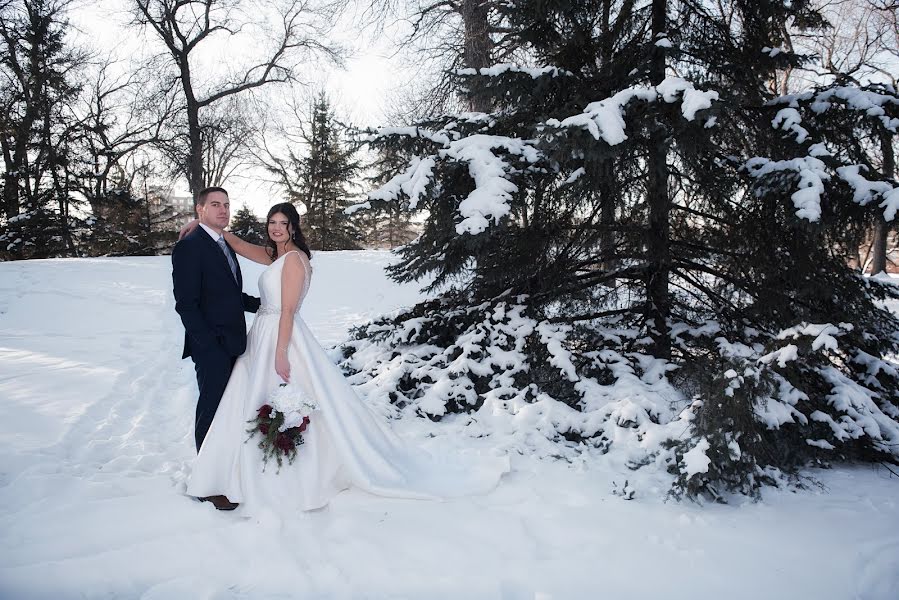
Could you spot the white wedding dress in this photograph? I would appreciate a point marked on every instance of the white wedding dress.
(346, 444)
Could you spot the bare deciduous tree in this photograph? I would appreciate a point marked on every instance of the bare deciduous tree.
(117, 117)
(186, 27)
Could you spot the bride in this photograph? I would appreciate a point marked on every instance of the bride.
(345, 444)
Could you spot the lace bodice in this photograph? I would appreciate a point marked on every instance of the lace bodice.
(270, 285)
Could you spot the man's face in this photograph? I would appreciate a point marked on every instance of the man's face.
(216, 213)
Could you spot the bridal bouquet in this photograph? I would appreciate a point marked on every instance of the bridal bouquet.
(281, 423)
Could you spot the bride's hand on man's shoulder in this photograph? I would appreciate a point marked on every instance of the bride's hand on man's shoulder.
(188, 228)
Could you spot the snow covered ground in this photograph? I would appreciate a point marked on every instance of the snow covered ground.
(95, 443)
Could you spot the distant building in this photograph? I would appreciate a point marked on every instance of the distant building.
(182, 205)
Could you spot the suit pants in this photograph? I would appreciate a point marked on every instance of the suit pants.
(213, 371)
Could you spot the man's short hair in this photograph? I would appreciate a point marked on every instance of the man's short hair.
(204, 193)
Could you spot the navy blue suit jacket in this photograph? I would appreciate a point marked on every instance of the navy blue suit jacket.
(208, 299)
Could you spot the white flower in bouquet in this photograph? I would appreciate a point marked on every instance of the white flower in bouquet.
(280, 423)
(293, 402)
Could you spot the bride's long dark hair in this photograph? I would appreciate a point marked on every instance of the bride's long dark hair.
(288, 210)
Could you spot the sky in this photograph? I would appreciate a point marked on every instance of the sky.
(372, 71)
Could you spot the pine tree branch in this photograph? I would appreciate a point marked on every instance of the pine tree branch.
(635, 309)
(702, 287)
(589, 280)
(705, 250)
(698, 213)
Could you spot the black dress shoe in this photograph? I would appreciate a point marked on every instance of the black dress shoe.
(220, 502)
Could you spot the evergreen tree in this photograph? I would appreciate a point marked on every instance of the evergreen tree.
(393, 226)
(632, 229)
(384, 224)
(131, 217)
(320, 180)
(246, 225)
(38, 68)
(128, 224)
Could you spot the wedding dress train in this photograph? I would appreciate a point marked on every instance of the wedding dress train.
(346, 444)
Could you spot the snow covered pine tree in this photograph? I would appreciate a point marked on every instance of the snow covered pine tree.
(641, 264)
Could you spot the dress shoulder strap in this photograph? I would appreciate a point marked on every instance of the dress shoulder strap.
(303, 258)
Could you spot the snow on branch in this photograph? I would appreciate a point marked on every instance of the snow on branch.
(825, 334)
(663, 42)
(812, 175)
(554, 338)
(414, 180)
(890, 204)
(489, 201)
(693, 100)
(605, 118)
(499, 69)
(861, 406)
(782, 356)
(789, 119)
(871, 102)
(696, 460)
(411, 182)
(442, 137)
(865, 190)
(490, 198)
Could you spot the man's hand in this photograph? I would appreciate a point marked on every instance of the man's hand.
(282, 365)
(188, 228)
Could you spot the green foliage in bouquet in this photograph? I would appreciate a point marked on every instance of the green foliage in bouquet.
(274, 443)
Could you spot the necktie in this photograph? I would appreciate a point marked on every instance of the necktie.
(230, 258)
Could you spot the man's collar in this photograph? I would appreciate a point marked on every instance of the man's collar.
(212, 232)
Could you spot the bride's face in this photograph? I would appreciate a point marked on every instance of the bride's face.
(279, 229)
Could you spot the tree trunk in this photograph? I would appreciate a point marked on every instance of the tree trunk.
(659, 263)
(194, 166)
(17, 161)
(605, 41)
(881, 231)
(10, 182)
(195, 159)
(788, 71)
(879, 246)
(607, 198)
(62, 192)
(476, 52)
(607, 188)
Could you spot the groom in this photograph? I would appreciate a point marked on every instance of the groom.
(209, 298)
